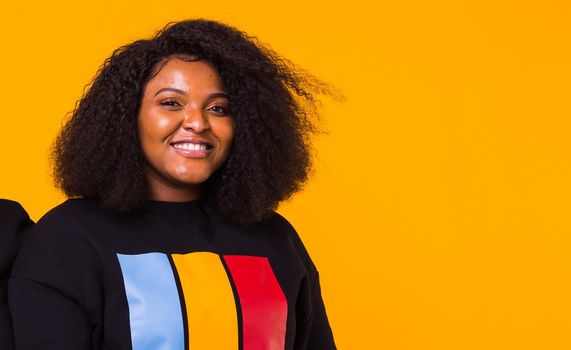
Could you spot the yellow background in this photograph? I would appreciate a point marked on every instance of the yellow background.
(438, 216)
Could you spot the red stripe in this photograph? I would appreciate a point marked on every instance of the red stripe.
(263, 303)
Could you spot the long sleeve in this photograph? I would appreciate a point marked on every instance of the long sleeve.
(45, 319)
(51, 289)
(313, 329)
(13, 222)
(319, 331)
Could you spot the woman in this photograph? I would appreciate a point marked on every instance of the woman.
(175, 158)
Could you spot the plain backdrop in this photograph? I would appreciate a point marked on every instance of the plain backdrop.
(438, 214)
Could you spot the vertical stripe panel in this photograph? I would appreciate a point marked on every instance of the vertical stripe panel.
(263, 303)
(154, 305)
(210, 303)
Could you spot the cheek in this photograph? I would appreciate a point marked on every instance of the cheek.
(225, 132)
(157, 126)
(164, 124)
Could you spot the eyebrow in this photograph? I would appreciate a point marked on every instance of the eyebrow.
(182, 92)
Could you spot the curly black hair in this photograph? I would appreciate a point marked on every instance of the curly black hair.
(97, 154)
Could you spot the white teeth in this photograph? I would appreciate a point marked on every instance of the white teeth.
(191, 146)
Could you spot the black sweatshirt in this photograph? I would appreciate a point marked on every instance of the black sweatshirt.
(13, 221)
(174, 276)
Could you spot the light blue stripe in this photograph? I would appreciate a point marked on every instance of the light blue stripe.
(154, 307)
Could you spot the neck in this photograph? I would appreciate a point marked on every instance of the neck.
(167, 192)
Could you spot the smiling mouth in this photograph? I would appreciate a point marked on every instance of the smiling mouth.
(192, 150)
(192, 146)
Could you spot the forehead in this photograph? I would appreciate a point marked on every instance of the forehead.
(188, 75)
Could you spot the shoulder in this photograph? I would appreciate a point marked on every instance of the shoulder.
(64, 225)
(277, 226)
(13, 218)
(280, 226)
(57, 253)
(69, 212)
(277, 221)
(71, 218)
(13, 223)
(56, 240)
(10, 209)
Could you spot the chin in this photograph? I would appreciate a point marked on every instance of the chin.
(193, 179)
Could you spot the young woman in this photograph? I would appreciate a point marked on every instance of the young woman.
(175, 159)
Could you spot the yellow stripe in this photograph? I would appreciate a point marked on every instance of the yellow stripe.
(210, 305)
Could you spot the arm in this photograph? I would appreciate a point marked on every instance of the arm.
(320, 335)
(313, 329)
(44, 318)
(52, 288)
(13, 221)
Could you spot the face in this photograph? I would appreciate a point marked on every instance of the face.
(185, 129)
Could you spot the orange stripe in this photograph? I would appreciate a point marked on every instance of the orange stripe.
(210, 304)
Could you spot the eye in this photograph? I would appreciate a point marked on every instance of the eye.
(219, 110)
(170, 103)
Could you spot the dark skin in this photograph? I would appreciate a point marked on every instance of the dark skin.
(185, 129)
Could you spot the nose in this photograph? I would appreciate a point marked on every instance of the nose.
(196, 120)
